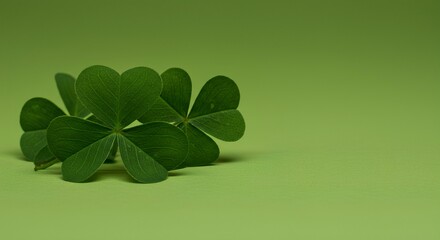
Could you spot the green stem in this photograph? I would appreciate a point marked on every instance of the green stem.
(44, 165)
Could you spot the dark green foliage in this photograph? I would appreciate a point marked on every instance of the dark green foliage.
(147, 151)
(103, 103)
(35, 117)
(214, 112)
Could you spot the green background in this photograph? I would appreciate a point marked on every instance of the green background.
(341, 101)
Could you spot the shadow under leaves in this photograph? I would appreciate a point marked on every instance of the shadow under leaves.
(16, 154)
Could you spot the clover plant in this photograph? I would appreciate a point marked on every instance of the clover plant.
(214, 112)
(104, 105)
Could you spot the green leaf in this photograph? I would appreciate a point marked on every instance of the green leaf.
(32, 143)
(165, 143)
(112, 156)
(37, 113)
(66, 87)
(161, 111)
(82, 165)
(35, 117)
(202, 150)
(68, 135)
(118, 100)
(227, 125)
(213, 112)
(82, 145)
(218, 94)
(142, 167)
(177, 89)
(44, 156)
(173, 104)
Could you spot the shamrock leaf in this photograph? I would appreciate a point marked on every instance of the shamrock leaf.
(147, 151)
(36, 116)
(66, 87)
(213, 112)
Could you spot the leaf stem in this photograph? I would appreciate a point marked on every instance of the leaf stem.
(44, 165)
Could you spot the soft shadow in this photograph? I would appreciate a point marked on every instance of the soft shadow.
(242, 157)
(228, 159)
(234, 158)
(52, 170)
(17, 154)
(176, 173)
(110, 161)
(115, 172)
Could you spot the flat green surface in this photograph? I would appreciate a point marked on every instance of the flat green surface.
(341, 101)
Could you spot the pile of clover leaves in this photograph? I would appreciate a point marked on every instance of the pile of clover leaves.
(103, 103)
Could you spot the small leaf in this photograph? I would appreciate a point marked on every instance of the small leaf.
(177, 89)
(82, 145)
(227, 125)
(118, 100)
(165, 143)
(44, 156)
(66, 87)
(142, 167)
(37, 113)
(218, 94)
(173, 104)
(32, 143)
(35, 117)
(202, 150)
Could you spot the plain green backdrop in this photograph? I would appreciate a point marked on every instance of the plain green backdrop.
(341, 101)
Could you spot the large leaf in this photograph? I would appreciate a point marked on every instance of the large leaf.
(82, 165)
(82, 145)
(35, 117)
(218, 94)
(118, 100)
(227, 125)
(202, 150)
(66, 87)
(141, 166)
(163, 142)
